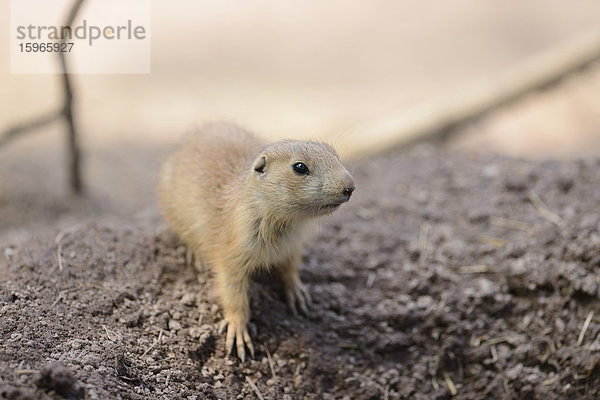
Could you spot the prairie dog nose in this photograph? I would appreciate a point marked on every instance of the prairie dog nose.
(349, 189)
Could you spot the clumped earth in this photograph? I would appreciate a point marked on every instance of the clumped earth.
(444, 275)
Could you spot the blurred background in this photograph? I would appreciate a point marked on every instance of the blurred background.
(307, 69)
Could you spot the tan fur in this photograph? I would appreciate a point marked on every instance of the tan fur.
(238, 219)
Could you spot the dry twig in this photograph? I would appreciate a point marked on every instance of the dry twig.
(25, 371)
(370, 280)
(59, 256)
(543, 209)
(271, 363)
(584, 328)
(494, 352)
(107, 333)
(61, 295)
(297, 377)
(473, 269)
(450, 384)
(74, 151)
(254, 387)
(424, 236)
(32, 125)
(66, 112)
(502, 339)
(153, 344)
(493, 241)
(510, 224)
(507, 389)
(437, 119)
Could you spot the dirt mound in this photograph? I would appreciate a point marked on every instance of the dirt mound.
(443, 275)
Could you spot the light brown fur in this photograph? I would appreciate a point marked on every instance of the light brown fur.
(240, 207)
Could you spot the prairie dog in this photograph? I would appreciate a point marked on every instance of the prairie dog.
(242, 206)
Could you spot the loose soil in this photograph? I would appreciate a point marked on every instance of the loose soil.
(444, 275)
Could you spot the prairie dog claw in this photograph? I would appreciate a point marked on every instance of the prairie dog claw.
(297, 297)
(237, 333)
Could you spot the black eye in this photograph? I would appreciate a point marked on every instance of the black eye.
(300, 168)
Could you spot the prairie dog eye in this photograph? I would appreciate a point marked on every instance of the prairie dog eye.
(300, 168)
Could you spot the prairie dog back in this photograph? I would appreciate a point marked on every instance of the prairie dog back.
(196, 180)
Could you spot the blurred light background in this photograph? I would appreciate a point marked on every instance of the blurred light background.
(309, 69)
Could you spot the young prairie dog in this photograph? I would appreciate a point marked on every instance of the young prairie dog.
(242, 206)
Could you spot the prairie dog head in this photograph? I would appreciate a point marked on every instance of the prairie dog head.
(302, 179)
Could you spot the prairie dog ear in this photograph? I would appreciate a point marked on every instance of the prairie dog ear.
(260, 165)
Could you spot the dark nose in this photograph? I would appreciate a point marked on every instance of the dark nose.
(349, 189)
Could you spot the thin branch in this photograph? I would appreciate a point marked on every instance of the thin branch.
(273, 374)
(73, 13)
(542, 209)
(585, 327)
(450, 384)
(254, 387)
(74, 151)
(438, 119)
(66, 111)
(29, 126)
